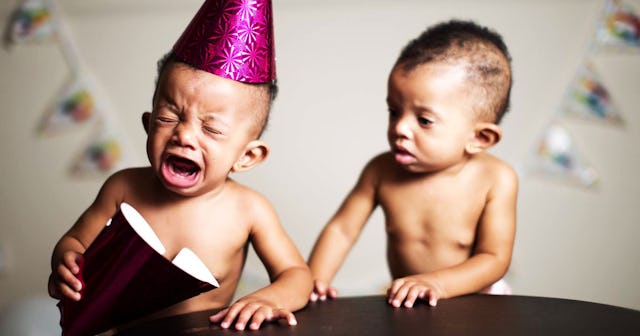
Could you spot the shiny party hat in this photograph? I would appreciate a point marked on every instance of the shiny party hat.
(231, 39)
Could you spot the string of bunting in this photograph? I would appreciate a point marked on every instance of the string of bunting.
(555, 155)
(79, 101)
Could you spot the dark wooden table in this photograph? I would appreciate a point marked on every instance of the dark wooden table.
(467, 315)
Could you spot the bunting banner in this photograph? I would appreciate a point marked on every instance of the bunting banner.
(557, 157)
(102, 154)
(587, 98)
(75, 104)
(32, 21)
(78, 101)
(618, 28)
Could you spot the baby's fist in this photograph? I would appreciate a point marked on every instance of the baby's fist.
(321, 291)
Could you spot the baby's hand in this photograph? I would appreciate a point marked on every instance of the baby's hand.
(63, 281)
(253, 309)
(409, 289)
(321, 291)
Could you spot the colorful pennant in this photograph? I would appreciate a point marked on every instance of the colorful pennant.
(618, 28)
(31, 22)
(78, 101)
(557, 157)
(75, 104)
(103, 153)
(588, 98)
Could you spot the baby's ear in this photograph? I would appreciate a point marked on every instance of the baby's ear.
(255, 152)
(485, 135)
(146, 117)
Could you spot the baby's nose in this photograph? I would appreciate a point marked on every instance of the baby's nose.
(401, 128)
(184, 135)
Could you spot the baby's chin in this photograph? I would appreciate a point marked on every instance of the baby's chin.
(416, 167)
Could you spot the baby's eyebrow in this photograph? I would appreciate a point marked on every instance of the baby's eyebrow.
(425, 109)
(213, 117)
(166, 101)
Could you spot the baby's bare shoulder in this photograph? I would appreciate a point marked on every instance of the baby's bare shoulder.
(382, 160)
(381, 164)
(124, 183)
(495, 170)
(130, 176)
(248, 199)
(243, 193)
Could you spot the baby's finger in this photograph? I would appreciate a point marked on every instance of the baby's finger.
(283, 314)
(400, 295)
(71, 261)
(393, 289)
(264, 314)
(433, 298)
(332, 293)
(227, 316)
(66, 276)
(414, 293)
(65, 290)
(321, 289)
(291, 319)
(258, 317)
(267, 314)
(245, 315)
(217, 317)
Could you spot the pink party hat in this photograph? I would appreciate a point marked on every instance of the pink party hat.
(231, 39)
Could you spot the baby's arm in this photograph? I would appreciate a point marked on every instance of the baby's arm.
(290, 277)
(490, 259)
(341, 233)
(68, 251)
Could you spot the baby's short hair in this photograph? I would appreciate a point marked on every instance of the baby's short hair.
(481, 49)
(269, 89)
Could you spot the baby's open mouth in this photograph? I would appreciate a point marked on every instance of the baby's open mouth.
(182, 166)
(180, 172)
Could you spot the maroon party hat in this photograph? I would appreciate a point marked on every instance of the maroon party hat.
(231, 39)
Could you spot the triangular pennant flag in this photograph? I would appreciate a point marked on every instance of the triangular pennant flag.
(75, 104)
(618, 28)
(588, 98)
(32, 21)
(556, 157)
(103, 154)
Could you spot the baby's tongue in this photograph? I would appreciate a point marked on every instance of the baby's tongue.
(183, 166)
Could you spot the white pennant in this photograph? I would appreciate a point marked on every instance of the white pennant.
(556, 157)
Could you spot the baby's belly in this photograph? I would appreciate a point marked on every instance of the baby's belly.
(416, 257)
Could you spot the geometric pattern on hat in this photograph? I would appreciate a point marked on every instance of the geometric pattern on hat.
(231, 39)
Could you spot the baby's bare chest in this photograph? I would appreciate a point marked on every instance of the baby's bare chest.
(217, 239)
(427, 211)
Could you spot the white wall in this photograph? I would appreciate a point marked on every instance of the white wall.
(329, 119)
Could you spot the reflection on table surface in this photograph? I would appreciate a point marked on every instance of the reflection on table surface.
(466, 315)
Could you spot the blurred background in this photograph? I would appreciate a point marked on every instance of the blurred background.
(578, 226)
